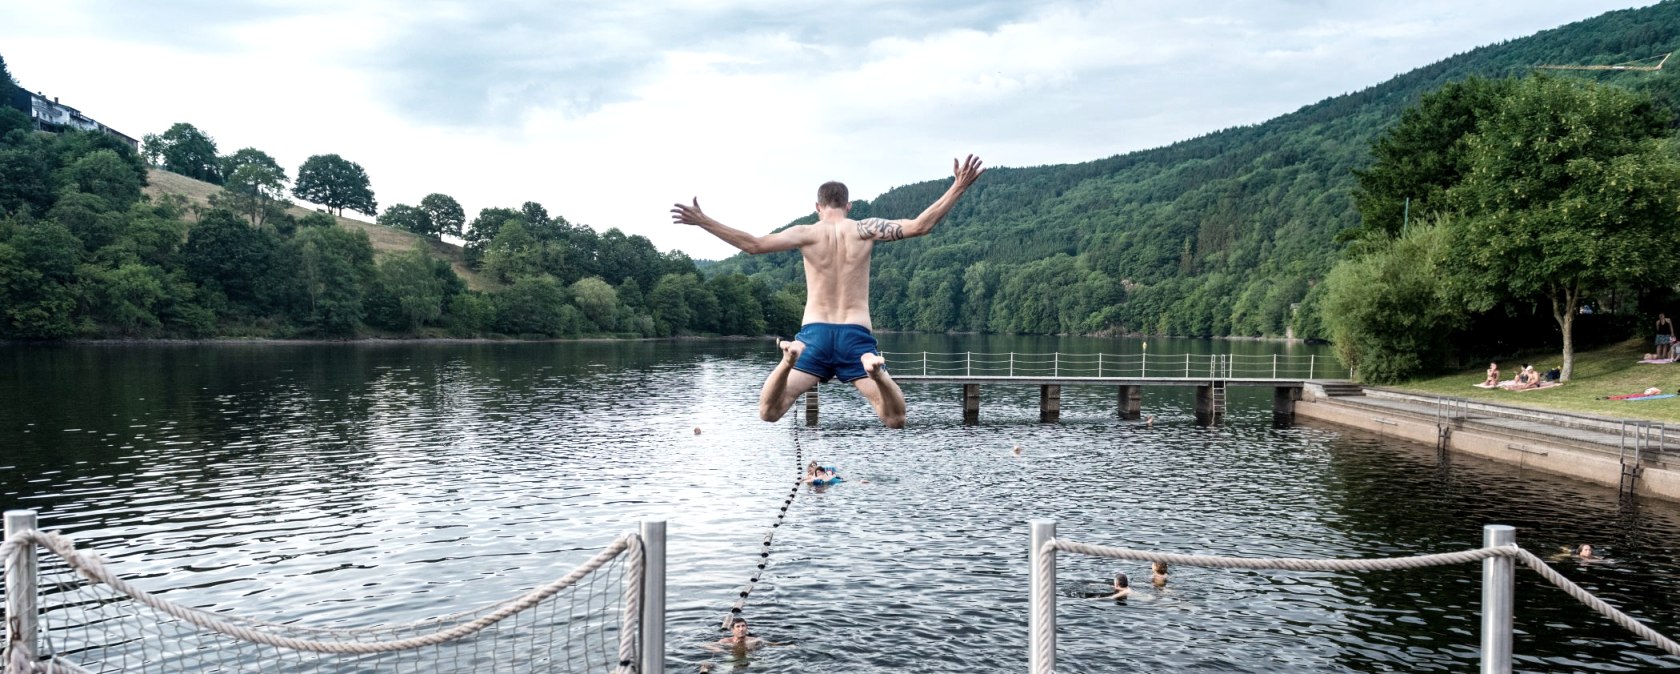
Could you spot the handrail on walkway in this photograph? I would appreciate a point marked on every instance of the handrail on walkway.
(1115, 365)
(1498, 555)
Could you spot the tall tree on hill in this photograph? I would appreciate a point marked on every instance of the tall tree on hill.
(190, 152)
(1416, 161)
(1573, 186)
(255, 186)
(408, 219)
(446, 213)
(335, 182)
(10, 94)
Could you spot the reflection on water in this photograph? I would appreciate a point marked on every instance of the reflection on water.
(314, 482)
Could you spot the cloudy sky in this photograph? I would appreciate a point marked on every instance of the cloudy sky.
(607, 111)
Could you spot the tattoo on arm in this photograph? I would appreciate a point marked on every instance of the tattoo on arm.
(877, 228)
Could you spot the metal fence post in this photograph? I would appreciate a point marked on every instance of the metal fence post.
(653, 597)
(1099, 365)
(924, 363)
(1498, 600)
(21, 575)
(1011, 363)
(1056, 364)
(1312, 363)
(1041, 605)
(968, 363)
(1274, 366)
(1186, 365)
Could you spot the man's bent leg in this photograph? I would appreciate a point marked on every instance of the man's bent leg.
(785, 383)
(883, 394)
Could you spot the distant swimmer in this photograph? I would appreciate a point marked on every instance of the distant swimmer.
(1017, 450)
(1122, 588)
(822, 476)
(739, 640)
(835, 339)
(1586, 552)
(1158, 574)
(696, 430)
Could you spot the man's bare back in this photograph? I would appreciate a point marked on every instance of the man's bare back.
(836, 251)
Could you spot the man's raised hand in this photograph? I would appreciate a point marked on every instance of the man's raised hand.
(967, 171)
(689, 215)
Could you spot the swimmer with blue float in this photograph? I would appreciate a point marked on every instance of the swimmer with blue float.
(835, 338)
(822, 476)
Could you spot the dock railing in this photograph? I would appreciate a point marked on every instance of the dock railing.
(1499, 554)
(1114, 365)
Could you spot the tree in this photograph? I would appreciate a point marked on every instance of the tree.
(335, 265)
(103, 173)
(9, 91)
(598, 301)
(417, 292)
(445, 212)
(255, 186)
(1572, 186)
(408, 219)
(1422, 156)
(190, 152)
(1388, 311)
(335, 182)
(226, 255)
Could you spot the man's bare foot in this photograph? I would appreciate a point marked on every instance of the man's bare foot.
(872, 363)
(791, 349)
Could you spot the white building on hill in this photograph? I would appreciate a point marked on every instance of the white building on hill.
(54, 116)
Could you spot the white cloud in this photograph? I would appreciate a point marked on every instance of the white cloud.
(606, 112)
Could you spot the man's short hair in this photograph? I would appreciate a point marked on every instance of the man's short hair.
(833, 194)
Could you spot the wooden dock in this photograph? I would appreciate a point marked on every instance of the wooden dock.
(1209, 374)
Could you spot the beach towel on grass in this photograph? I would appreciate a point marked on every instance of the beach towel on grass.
(1657, 361)
(1655, 397)
(1545, 384)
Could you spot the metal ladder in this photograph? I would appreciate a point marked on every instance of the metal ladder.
(1640, 439)
(1221, 365)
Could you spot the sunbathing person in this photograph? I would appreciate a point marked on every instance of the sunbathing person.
(1492, 376)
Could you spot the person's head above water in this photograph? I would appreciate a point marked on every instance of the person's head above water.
(1585, 550)
(1121, 582)
(738, 629)
(1158, 568)
(833, 194)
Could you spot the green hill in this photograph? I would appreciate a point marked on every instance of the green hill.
(1224, 234)
(385, 240)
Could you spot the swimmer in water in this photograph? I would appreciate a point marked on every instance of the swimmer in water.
(1586, 552)
(738, 641)
(1158, 574)
(1122, 588)
(1017, 450)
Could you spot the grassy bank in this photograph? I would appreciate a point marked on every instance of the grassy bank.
(1606, 372)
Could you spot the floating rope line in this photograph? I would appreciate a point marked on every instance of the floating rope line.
(770, 534)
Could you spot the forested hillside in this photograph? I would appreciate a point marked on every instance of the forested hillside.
(1224, 234)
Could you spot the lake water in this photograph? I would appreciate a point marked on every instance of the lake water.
(364, 483)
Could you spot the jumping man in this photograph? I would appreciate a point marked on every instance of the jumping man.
(835, 339)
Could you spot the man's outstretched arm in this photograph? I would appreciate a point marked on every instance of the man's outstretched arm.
(892, 230)
(787, 239)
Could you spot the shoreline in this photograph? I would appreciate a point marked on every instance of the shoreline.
(321, 341)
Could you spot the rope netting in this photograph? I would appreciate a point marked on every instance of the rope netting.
(1045, 638)
(90, 619)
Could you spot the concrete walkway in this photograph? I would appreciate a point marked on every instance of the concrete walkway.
(1602, 435)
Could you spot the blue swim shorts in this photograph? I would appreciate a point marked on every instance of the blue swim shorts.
(833, 349)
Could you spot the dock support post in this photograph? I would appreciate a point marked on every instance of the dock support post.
(1041, 599)
(21, 574)
(1049, 403)
(971, 404)
(1498, 600)
(1283, 405)
(653, 597)
(1204, 405)
(1131, 401)
(811, 407)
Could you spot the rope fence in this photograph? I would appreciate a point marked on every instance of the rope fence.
(68, 611)
(740, 604)
(1115, 365)
(1498, 554)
